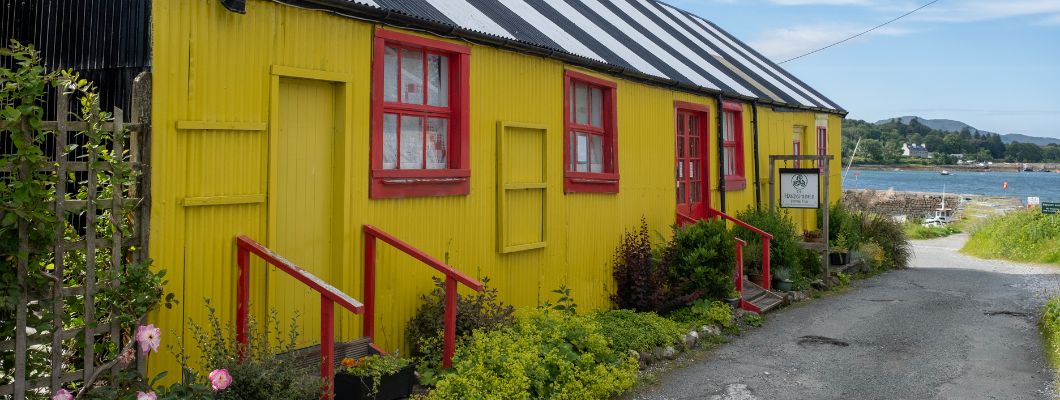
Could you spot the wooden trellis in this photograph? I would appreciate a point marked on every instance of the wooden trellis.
(129, 203)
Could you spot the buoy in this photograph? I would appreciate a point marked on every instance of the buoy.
(1004, 185)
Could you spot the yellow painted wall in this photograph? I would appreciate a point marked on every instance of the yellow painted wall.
(223, 69)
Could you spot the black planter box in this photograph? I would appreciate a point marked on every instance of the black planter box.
(839, 258)
(396, 386)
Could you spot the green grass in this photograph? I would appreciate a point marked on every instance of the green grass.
(1050, 325)
(919, 232)
(1023, 235)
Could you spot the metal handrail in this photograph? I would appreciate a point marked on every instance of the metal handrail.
(329, 296)
(452, 277)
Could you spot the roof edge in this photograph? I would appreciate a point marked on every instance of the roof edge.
(350, 9)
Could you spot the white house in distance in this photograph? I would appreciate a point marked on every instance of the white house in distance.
(915, 150)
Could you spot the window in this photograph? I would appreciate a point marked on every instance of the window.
(419, 117)
(732, 131)
(590, 151)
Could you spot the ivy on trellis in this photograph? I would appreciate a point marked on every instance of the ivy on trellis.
(74, 277)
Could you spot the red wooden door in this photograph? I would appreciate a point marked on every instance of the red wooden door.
(691, 169)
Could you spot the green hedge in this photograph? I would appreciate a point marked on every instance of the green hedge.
(1024, 235)
(629, 330)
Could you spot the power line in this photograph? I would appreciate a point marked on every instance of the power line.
(864, 32)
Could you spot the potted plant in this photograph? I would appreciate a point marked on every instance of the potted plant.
(782, 279)
(375, 377)
(811, 236)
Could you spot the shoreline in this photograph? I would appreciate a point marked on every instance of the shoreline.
(999, 167)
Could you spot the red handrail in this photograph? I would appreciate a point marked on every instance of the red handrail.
(683, 219)
(452, 277)
(329, 296)
(766, 238)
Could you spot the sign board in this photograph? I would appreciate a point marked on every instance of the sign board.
(1050, 208)
(800, 188)
(1034, 201)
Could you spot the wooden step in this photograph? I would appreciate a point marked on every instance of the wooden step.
(309, 357)
(765, 300)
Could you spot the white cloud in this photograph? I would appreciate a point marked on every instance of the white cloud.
(984, 10)
(784, 43)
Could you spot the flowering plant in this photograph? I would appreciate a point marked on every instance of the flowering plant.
(374, 368)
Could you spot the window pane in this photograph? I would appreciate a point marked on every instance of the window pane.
(730, 161)
(411, 142)
(596, 112)
(596, 156)
(389, 141)
(581, 153)
(411, 76)
(695, 195)
(581, 104)
(390, 74)
(437, 143)
(729, 125)
(438, 80)
(693, 169)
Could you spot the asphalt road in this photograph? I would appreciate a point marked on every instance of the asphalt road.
(951, 327)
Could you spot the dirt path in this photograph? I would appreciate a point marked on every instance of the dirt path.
(951, 327)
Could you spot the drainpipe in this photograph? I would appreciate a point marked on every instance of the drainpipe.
(721, 151)
(758, 187)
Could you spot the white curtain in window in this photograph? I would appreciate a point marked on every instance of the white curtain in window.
(412, 76)
(411, 142)
(437, 143)
(390, 74)
(390, 135)
(438, 80)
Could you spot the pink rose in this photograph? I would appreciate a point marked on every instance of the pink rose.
(148, 337)
(146, 396)
(63, 394)
(220, 379)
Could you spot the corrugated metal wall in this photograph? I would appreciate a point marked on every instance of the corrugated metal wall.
(212, 71)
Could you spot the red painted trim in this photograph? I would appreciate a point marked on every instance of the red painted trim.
(704, 140)
(397, 183)
(592, 182)
(327, 346)
(736, 181)
(452, 277)
(739, 265)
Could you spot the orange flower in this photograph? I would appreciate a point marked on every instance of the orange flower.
(347, 362)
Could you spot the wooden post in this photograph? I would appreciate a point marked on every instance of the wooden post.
(825, 222)
(58, 310)
(369, 286)
(327, 346)
(772, 168)
(449, 346)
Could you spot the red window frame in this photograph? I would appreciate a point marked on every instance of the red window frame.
(591, 182)
(397, 183)
(736, 180)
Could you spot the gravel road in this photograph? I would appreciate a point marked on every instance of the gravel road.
(951, 327)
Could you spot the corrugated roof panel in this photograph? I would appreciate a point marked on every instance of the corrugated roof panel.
(467, 16)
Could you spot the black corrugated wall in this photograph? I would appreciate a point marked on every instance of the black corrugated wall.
(107, 41)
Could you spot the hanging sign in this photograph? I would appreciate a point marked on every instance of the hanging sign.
(799, 188)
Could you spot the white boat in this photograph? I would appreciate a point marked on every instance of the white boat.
(944, 172)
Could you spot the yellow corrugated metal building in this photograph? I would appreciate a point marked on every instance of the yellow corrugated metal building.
(263, 125)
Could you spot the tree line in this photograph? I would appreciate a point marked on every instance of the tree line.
(882, 144)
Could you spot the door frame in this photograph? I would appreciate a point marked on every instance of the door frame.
(503, 186)
(704, 113)
(342, 251)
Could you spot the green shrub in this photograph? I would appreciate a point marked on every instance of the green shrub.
(630, 330)
(1023, 235)
(480, 310)
(803, 265)
(702, 260)
(548, 354)
(890, 236)
(704, 312)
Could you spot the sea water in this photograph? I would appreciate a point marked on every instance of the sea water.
(1045, 185)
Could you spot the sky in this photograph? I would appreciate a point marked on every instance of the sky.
(993, 64)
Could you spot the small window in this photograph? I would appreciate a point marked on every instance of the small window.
(590, 156)
(420, 109)
(732, 141)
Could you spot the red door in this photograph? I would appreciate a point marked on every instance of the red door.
(690, 168)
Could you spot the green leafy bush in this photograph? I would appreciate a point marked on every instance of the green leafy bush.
(704, 312)
(1051, 330)
(889, 236)
(803, 265)
(702, 260)
(1024, 235)
(548, 354)
(630, 330)
(640, 280)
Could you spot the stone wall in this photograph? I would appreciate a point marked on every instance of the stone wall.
(910, 204)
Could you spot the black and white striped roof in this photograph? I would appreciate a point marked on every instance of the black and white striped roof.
(648, 36)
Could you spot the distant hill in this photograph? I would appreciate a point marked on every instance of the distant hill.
(950, 125)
